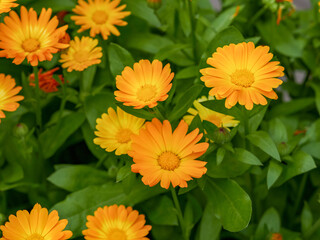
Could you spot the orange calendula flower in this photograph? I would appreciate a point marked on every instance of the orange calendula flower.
(81, 54)
(6, 5)
(242, 73)
(8, 95)
(30, 37)
(115, 130)
(116, 223)
(46, 81)
(100, 16)
(144, 85)
(36, 225)
(161, 155)
(276, 236)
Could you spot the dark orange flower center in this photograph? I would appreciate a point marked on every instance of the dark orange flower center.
(242, 78)
(117, 234)
(100, 17)
(168, 161)
(35, 236)
(124, 135)
(31, 45)
(146, 93)
(81, 56)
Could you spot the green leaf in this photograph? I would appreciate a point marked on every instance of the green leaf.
(189, 72)
(78, 205)
(168, 51)
(224, 19)
(192, 213)
(230, 202)
(210, 225)
(10, 175)
(301, 163)
(219, 106)
(88, 78)
(247, 157)
(220, 155)
(119, 58)
(141, 113)
(277, 130)
(312, 148)
(161, 211)
(271, 220)
(263, 141)
(291, 107)
(123, 172)
(316, 88)
(306, 218)
(56, 5)
(140, 9)
(274, 172)
(53, 138)
(72, 178)
(95, 105)
(185, 102)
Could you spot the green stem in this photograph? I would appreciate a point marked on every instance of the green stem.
(245, 119)
(179, 213)
(312, 230)
(37, 93)
(258, 14)
(158, 114)
(193, 31)
(299, 196)
(64, 97)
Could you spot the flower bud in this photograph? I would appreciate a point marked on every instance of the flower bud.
(221, 135)
(155, 4)
(283, 149)
(20, 130)
(276, 236)
(112, 171)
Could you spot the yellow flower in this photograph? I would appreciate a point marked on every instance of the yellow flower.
(100, 16)
(144, 85)
(81, 54)
(161, 155)
(116, 223)
(36, 225)
(218, 119)
(29, 37)
(242, 73)
(6, 5)
(115, 130)
(8, 95)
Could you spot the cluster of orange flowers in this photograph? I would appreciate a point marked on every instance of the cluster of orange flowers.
(239, 73)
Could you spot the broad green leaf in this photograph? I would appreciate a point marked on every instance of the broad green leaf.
(316, 88)
(263, 141)
(140, 9)
(230, 202)
(313, 148)
(291, 107)
(277, 130)
(301, 163)
(210, 225)
(306, 218)
(220, 155)
(95, 105)
(192, 213)
(78, 205)
(247, 157)
(88, 78)
(71, 178)
(123, 172)
(119, 58)
(274, 172)
(56, 5)
(141, 113)
(53, 138)
(269, 221)
(219, 106)
(184, 19)
(185, 102)
(189, 72)
(10, 175)
(161, 211)
(224, 19)
(168, 51)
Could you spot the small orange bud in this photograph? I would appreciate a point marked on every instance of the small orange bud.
(276, 236)
(46, 81)
(155, 4)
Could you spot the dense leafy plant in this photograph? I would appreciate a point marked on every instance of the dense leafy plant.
(262, 180)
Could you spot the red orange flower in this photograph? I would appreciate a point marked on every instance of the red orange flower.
(46, 81)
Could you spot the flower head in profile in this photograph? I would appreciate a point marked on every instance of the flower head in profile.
(6, 5)
(161, 155)
(81, 54)
(46, 81)
(242, 73)
(36, 225)
(35, 39)
(8, 95)
(285, 8)
(218, 119)
(116, 223)
(115, 130)
(100, 16)
(144, 85)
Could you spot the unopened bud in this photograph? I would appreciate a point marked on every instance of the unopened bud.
(112, 171)
(221, 135)
(155, 4)
(276, 236)
(20, 130)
